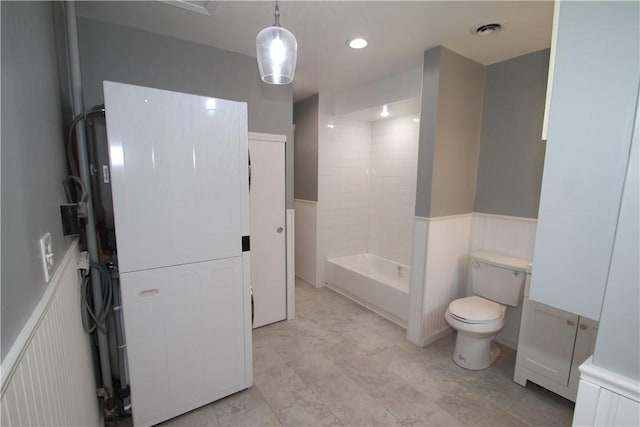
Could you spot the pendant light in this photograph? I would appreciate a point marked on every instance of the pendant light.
(277, 50)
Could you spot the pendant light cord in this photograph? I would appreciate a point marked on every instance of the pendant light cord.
(276, 14)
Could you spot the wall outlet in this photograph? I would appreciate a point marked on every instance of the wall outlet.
(46, 252)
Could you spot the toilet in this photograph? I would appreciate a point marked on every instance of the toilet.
(497, 281)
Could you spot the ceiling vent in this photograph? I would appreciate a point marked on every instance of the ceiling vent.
(486, 29)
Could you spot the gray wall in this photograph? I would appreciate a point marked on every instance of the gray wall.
(452, 91)
(33, 162)
(428, 124)
(121, 54)
(305, 117)
(511, 152)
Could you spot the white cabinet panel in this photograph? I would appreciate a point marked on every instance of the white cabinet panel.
(175, 175)
(268, 244)
(546, 342)
(181, 355)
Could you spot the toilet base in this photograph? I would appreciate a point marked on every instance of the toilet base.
(475, 353)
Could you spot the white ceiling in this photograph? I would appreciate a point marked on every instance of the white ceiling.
(398, 32)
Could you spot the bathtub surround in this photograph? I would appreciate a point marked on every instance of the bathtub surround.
(394, 155)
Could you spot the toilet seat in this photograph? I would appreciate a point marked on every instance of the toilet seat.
(475, 310)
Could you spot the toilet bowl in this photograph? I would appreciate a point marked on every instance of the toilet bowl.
(477, 322)
(497, 282)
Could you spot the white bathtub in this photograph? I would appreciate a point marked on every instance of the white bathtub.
(377, 283)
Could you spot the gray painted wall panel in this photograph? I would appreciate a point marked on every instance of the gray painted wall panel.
(33, 161)
(121, 54)
(511, 153)
(428, 122)
(305, 118)
(619, 320)
(455, 160)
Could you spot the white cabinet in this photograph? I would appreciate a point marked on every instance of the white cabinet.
(591, 115)
(552, 344)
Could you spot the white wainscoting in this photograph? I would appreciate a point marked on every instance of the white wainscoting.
(47, 376)
(291, 256)
(606, 398)
(305, 240)
(445, 273)
(506, 235)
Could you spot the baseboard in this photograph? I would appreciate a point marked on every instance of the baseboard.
(437, 336)
(507, 342)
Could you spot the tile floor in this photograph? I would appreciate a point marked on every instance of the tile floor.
(339, 364)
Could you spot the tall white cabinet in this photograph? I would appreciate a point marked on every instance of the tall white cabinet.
(180, 196)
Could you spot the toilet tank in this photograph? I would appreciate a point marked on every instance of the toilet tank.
(498, 277)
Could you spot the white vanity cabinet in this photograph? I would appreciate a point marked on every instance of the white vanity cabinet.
(552, 344)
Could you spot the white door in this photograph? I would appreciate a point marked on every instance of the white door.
(267, 217)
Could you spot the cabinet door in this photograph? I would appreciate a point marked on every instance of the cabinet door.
(185, 329)
(585, 343)
(546, 340)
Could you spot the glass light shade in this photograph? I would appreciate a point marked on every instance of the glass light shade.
(277, 51)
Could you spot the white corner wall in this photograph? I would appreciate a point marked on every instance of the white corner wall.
(394, 162)
(47, 375)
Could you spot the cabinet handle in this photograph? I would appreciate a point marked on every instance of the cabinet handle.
(583, 326)
(570, 322)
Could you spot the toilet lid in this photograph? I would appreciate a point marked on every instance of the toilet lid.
(475, 309)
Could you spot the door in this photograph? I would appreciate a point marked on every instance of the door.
(267, 218)
(546, 340)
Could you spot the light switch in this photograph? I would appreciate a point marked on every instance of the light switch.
(46, 252)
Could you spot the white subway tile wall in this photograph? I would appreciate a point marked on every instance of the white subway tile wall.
(394, 163)
(344, 148)
(366, 188)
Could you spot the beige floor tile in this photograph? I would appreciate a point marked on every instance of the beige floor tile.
(293, 402)
(413, 408)
(261, 416)
(350, 403)
(474, 410)
(238, 404)
(414, 370)
(203, 416)
(540, 407)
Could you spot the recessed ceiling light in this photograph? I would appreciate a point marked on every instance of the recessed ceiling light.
(486, 29)
(385, 111)
(357, 43)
